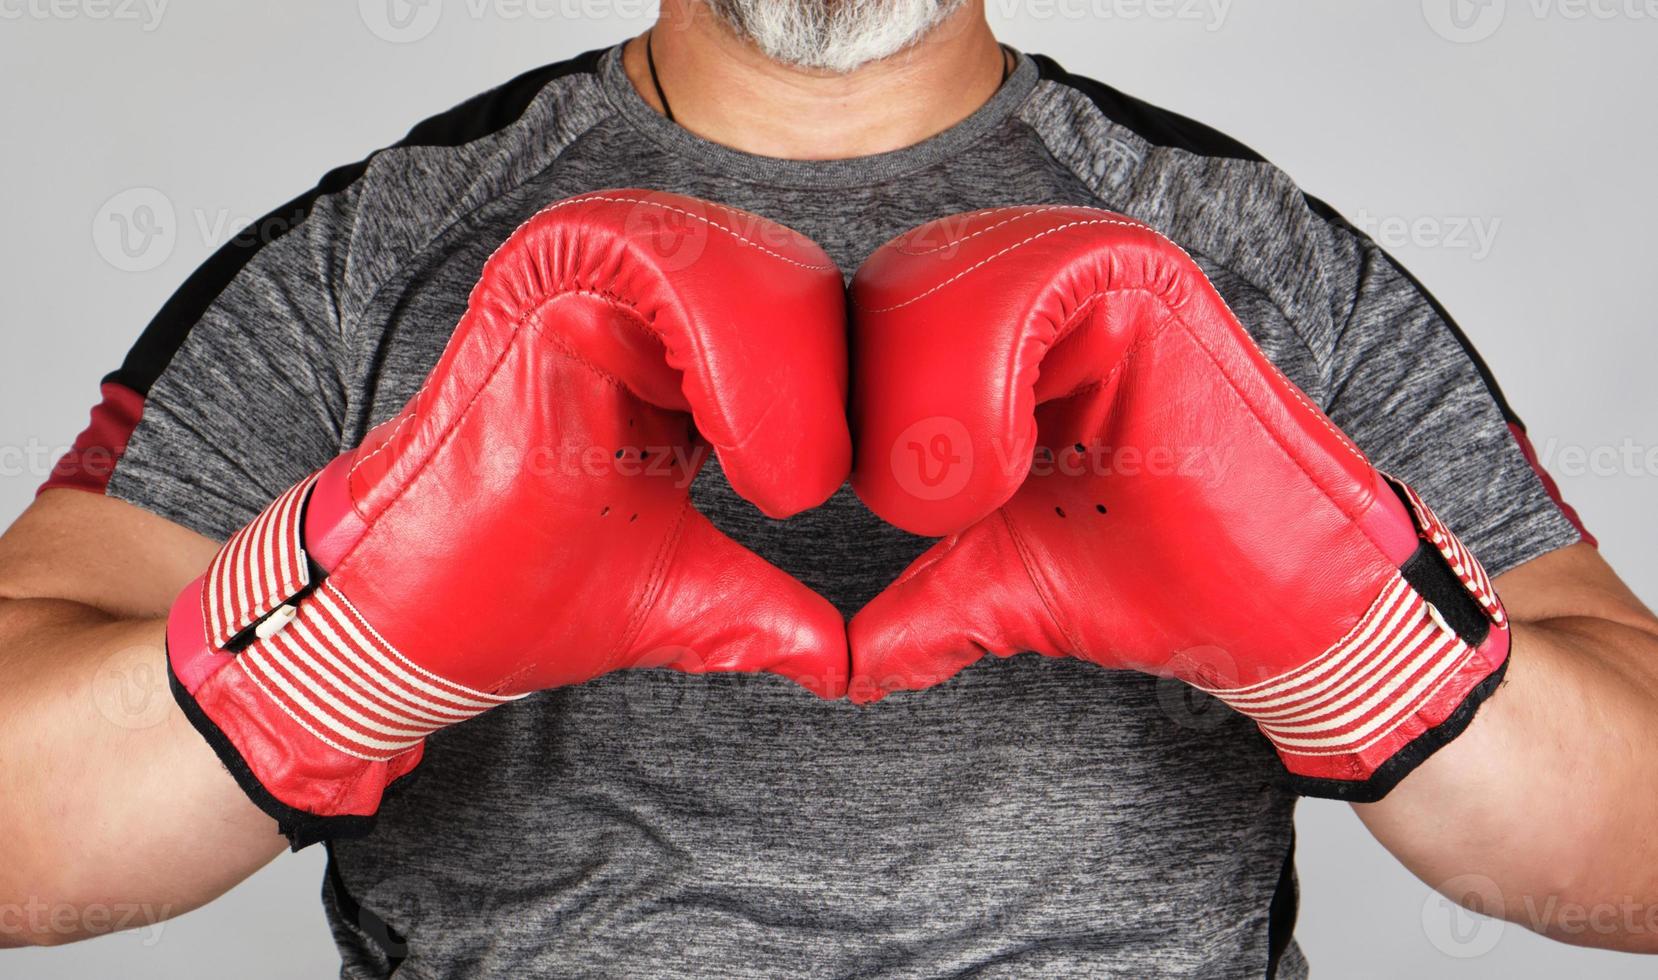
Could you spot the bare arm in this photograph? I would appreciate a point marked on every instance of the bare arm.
(1548, 804)
(118, 814)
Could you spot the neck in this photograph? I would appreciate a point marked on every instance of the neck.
(724, 90)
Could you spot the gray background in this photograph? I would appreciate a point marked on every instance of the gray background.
(1505, 156)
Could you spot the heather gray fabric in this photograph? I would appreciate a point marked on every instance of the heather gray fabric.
(1033, 818)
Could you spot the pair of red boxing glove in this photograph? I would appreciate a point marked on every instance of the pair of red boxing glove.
(525, 522)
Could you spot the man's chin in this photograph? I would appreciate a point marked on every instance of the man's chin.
(838, 36)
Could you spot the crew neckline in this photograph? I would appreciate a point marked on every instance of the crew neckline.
(777, 171)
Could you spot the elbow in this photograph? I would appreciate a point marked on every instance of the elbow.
(26, 923)
(1628, 929)
(38, 923)
(31, 940)
(43, 906)
(1580, 910)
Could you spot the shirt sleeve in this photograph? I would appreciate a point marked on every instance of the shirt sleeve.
(235, 391)
(1407, 386)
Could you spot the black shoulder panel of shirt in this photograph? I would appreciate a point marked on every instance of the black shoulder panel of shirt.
(1160, 127)
(474, 119)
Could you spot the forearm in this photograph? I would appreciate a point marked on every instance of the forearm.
(118, 814)
(1550, 798)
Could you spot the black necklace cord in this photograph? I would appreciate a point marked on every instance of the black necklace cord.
(656, 79)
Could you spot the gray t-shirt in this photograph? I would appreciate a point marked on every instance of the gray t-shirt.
(1032, 818)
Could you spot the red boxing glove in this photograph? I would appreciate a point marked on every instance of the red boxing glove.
(1011, 365)
(525, 523)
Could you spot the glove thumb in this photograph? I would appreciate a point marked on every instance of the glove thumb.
(721, 608)
(968, 596)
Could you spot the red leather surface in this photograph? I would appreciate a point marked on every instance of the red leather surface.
(512, 543)
(1122, 475)
(524, 523)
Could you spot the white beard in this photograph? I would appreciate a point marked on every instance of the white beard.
(832, 35)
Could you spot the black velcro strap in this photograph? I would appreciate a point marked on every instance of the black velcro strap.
(1432, 577)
